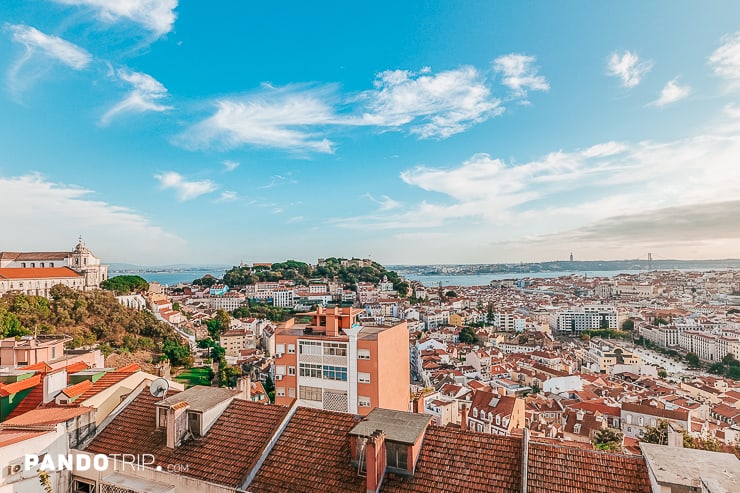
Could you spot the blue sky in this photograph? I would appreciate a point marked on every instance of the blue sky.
(425, 132)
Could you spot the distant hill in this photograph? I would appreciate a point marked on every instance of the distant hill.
(300, 272)
(565, 266)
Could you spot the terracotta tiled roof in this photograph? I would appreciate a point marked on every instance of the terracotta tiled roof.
(678, 414)
(312, 454)
(224, 456)
(78, 388)
(9, 437)
(38, 273)
(561, 469)
(31, 401)
(109, 379)
(41, 366)
(51, 415)
(76, 367)
(7, 389)
(457, 461)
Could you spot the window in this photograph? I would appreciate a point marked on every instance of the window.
(577, 428)
(335, 349)
(291, 348)
(475, 412)
(335, 373)
(42, 264)
(310, 393)
(480, 427)
(280, 391)
(641, 420)
(310, 347)
(363, 377)
(363, 401)
(33, 264)
(291, 392)
(363, 354)
(309, 370)
(280, 349)
(629, 419)
(82, 486)
(280, 370)
(498, 419)
(291, 370)
(23, 265)
(397, 455)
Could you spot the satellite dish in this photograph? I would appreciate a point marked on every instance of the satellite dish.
(159, 387)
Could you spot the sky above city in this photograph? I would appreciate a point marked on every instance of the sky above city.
(411, 132)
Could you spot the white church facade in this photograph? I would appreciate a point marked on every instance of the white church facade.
(35, 273)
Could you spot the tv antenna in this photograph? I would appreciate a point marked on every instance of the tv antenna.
(159, 387)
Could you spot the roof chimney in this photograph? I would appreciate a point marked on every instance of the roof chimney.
(244, 385)
(464, 420)
(177, 423)
(376, 461)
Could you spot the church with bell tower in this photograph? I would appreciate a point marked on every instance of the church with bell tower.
(35, 273)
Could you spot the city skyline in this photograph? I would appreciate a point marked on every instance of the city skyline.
(171, 133)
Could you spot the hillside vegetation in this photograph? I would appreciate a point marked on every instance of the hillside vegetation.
(88, 316)
(301, 273)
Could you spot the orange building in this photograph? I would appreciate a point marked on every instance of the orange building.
(334, 363)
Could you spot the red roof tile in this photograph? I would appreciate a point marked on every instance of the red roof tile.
(38, 273)
(78, 388)
(562, 469)
(109, 379)
(41, 366)
(75, 367)
(312, 454)
(224, 456)
(7, 389)
(458, 461)
(47, 416)
(31, 401)
(9, 437)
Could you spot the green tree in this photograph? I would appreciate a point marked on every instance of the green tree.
(628, 324)
(451, 294)
(730, 360)
(228, 375)
(177, 353)
(693, 360)
(656, 434)
(467, 336)
(717, 368)
(608, 440)
(662, 373)
(125, 284)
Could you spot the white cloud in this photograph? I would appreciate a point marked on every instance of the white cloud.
(725, 60)
(228, 196)
(108, 229)
(230, 165)
(279, 118)
(628, 67)
(671, 93)
(143, 97)
(568, 196)
(295, 219)
(432, 106)
(54, 47)
(520, 74)
(385, 203)
(184, 189)
(157, 16)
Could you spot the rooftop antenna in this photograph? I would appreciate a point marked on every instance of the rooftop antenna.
(159, 387)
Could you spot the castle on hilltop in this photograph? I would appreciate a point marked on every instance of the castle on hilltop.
(35, 273)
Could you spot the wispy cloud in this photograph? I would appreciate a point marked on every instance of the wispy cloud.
(144, 96)
(566, 190)
(520, 74)
(52, 46)
(430, 105)
(157, 16)
(385, 203)
(184, 189)
(671, 93)
(299, 117)
(230, 165)
(725, 60)
(112, 229)
(282, 118)
(628, 67)
(228, 196)
(295, 219)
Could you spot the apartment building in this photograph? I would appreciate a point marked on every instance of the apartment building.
(577, 319)
(334, 363)
(602, 356)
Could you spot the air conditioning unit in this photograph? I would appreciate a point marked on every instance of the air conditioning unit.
(14, 469)
(278, 377)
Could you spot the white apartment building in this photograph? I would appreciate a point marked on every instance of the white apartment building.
(577, 319)
(229, 301)
(283, 297)
(702, 344)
